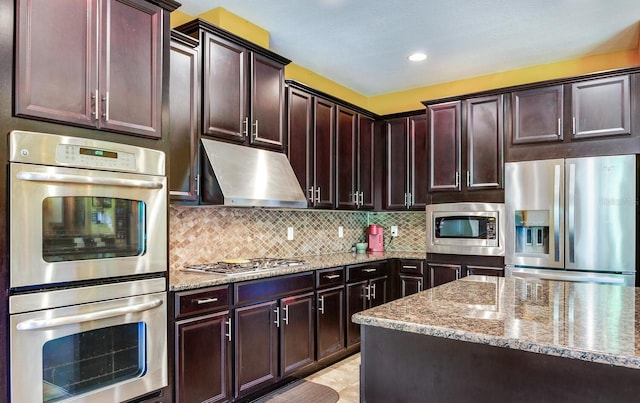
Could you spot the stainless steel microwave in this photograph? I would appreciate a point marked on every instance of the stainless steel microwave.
(466, 228)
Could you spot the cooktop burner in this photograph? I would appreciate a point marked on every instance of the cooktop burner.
(241, 266)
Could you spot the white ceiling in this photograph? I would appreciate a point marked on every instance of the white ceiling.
(364, 44)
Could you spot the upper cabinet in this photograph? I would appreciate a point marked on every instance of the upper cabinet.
(466, 154)
(184, 107)
(406, 163)
(243, 91)
(91, 63)
(354, 160)
(537, 114)
(601, 107)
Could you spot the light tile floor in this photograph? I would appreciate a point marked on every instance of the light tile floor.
(343, 377)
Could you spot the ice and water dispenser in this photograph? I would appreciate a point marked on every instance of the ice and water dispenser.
(532, 232)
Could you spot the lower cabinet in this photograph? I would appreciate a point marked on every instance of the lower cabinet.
(411, 276)
(330, 314)
(274, 330)
(442, 269)
(203, 346)
(366, 288)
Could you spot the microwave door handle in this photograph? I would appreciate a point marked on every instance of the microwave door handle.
(37, 324)
(87, 180)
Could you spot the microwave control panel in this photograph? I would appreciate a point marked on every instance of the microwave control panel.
(491, 228)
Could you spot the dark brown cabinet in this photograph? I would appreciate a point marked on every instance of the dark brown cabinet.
(601, 107)
(96, 64)
(243, 89)
(411, 276)
(406, 163)
(445, 268)
(482, 148)
(440, 273)
(330, 313)
(184, 102)
(203, 346)
(366, 288)
(354, 160)
(311, 138)
(537, 114)
(274, 330)
(484, 271)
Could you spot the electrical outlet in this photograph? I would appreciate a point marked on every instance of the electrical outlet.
(340, 232)
(394, 230)
(290, 234)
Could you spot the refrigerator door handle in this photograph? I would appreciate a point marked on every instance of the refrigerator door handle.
(556, 213)
(572, 211)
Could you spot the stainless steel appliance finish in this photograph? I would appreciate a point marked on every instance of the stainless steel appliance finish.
(252, 177)
(466, 228)
(84, 209)
(243, 267)
(574, 216)
(52, 359)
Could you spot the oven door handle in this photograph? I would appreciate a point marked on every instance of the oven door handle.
(36, 324)
(87, 180)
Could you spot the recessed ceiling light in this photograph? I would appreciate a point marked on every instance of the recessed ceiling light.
(417, 57)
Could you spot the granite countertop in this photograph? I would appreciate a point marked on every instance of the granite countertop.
(183, 280)
(585, 321)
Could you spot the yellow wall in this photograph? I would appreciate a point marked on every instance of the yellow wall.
(410, 100)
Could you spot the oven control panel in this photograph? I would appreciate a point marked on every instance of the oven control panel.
(86, 157)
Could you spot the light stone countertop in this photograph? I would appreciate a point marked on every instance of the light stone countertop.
(585, 321)
(183, 280)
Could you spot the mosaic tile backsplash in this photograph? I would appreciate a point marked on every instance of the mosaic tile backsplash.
(209, 234)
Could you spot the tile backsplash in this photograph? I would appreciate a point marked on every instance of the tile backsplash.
(209, 234)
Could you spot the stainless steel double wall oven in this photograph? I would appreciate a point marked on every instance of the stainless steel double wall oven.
(88, 263)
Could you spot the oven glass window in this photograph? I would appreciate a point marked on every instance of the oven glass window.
(469, 227)
(83, 362)
(82, 228)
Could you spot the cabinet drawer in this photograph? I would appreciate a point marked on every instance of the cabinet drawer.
(412, 267)
(330, 277)
(272, 288)
(365, 271)
(202, 301)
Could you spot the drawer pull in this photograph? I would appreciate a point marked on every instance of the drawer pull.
(331, 276)
(205, 301)
(409, 267)
(370, 270)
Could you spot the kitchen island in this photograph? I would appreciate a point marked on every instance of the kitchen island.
(503, 339)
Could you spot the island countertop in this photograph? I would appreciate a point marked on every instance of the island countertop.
(584, 321)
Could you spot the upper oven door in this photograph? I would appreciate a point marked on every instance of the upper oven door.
(69, 224)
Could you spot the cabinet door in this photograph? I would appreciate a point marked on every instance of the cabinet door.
(377, 291)
(484, 271)
(356, 302)
(56, 53)
(267, 103)
(410, 284)
(484, 142)
(203, 364)
(444, 146)
(537, 114)
(443, 273)
(300, 107)
(346, 131)
(256, 347)
(397, 164)
(224, 93)
(366, 178)
(601, 107)
(419, 162)
(330, 322)
(183, 130)
(130, 70)
(323, 147)
(297, 330)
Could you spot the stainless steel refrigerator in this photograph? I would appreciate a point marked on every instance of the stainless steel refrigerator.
(572, 219)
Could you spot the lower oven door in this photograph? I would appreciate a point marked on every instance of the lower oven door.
(110, 350)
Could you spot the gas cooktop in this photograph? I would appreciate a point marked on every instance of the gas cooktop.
(242, 266)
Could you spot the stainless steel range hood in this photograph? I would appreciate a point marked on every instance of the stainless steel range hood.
(242, 176)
